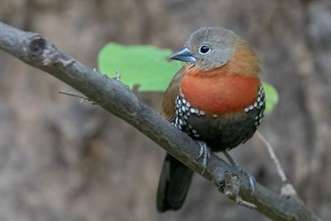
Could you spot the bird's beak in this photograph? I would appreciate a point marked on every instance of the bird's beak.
(183, 54)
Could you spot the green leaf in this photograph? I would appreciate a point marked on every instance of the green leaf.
(145, 66)
(148, 67)
(272, 97)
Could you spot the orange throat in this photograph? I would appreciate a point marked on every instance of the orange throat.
(219, 91)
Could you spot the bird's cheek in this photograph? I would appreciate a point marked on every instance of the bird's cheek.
(204, 63)
(209, 63)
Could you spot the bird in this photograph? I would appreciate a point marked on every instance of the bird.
(217, 98)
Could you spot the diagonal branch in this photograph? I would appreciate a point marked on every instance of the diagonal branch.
(116, 98)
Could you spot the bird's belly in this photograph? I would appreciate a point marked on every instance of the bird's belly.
(225, 132)
(220, 132)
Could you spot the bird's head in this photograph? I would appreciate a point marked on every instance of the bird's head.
(208, 47)
(221, 67)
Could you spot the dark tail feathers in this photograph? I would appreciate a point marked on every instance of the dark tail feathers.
(175, 181)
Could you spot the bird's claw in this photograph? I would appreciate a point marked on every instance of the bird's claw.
(252, 183)
(250, 178)
(230, 186)
(204, 154)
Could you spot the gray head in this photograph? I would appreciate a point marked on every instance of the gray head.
(208, 47)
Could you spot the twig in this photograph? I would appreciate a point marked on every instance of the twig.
(82, 98)
(119, 100)
(287, 187)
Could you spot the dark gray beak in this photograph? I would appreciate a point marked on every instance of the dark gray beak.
(183, 54)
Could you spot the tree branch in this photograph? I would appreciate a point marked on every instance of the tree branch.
(116, 98)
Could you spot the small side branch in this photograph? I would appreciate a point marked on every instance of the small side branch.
(116, 98)
(81, 97)
(287, 187)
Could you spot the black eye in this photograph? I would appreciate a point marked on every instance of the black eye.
(204, 49)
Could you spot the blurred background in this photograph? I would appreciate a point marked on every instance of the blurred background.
(61, 159)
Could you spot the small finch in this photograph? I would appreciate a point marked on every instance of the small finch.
(217, 98)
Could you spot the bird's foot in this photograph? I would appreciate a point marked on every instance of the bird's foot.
(251, 179)
(204, 154)
(230, 186)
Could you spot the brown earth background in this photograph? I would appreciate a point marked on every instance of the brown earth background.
(61, 159)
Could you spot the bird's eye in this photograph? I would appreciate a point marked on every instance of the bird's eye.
(204, 49)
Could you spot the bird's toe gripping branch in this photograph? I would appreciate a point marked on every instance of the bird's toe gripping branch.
(230, 183)
(252, 182)
(230, 186)
(250, 178)
(204, 154)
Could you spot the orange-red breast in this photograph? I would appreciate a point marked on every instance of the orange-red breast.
(217, 98)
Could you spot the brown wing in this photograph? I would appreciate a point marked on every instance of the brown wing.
(170, 95)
